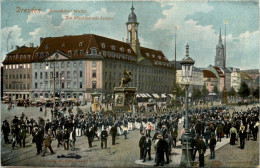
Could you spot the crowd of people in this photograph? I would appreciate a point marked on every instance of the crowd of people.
(207, 127)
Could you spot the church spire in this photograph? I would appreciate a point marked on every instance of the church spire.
(132, 8)
(220, 38)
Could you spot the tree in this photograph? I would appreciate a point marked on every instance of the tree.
(215, 89)
(256, 93)
(180, 91)
(244, 90)
(196, 93)
(204, 91)
(232, 92)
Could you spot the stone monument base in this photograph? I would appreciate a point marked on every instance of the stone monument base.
(124, 98)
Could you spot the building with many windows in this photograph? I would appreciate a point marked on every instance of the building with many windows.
(17, 76)
(89, 62)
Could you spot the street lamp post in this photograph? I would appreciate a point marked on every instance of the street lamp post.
(54, 80)
(187, 64)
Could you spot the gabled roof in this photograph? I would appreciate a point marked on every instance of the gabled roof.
(156, 56)
(20, 55)
(208, 74)
(83, 43)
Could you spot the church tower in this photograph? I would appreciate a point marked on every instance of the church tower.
(132, 32)
(219, 59)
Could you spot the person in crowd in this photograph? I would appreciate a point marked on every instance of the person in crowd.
(212, 145)
(141, 145)
(147, 148)
(72, 139)
(47, 144)
(201, 150)
(242, 136)
(65, 138)
(38, 139)
(233, 135)
(104, 135)
(113, 132)
(6, 131)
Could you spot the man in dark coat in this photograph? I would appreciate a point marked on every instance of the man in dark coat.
(141, 145)
(219, 131)
(38, 140)
(147, 148)
(201, 150)
(6, 131)
(161, 148)
(113, 132)
(89, 135)
(22, 134)
(212, 145)
(59, 137)
(65, 138)
(104, 136)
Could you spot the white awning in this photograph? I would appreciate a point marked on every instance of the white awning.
(163, 96)
(148, 95)
(138, 95)
(155, 96)
(144, 96)
(171, 95)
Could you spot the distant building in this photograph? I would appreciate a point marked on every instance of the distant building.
(219, 58)
(210, 80)
(17, 77)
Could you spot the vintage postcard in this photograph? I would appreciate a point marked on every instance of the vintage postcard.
(135, 83)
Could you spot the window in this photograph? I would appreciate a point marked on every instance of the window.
(62, 73)
(51, 65)
(81, 52)
(51, 74)
(24, 76)
(159, 57)
(94, 64)
(74, 64)
(41, 65)
(80, 84)
(40, 75)
(103, 45)
(68, 64)
(68, 85)
(28, 66)
(68, 74)
(122, 49)
(76, 53)
(6, 76)
(62, 85)
(24, 66)
(94, 84)
(80, 44)
(45, 85)
(69, 53)
(94, 51)
(147, 54)
(46, 75)
(80, 64)
(41, 85)
(63, 45)
(57, 75)
(74, 74)
(17, 66)
(113, 47)
(24, 86)
(42, 54)
(10, 76)
(10, 66)
(57, 64)
(80, 74)
(28, 86)
(46, 47)
(6, 66)
(74, 85)
(94, 73)
(62, 64)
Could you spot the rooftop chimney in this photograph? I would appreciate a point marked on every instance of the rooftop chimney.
(31, 45)
(17, 47)
(41, 38)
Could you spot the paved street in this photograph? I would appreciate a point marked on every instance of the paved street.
(124, 153)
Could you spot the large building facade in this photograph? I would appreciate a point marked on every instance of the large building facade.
(81, 64)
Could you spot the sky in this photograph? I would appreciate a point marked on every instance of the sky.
(198, 24)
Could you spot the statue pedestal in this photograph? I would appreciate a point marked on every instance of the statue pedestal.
(124, 98)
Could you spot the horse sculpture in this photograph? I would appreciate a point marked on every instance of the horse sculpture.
(127, 78)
